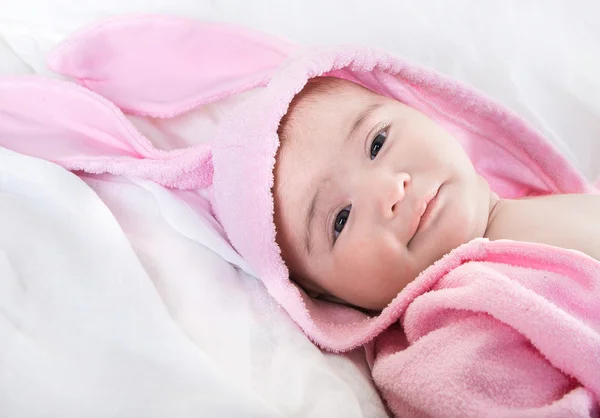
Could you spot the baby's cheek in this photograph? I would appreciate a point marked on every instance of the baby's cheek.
(355, 261)
(375, 261)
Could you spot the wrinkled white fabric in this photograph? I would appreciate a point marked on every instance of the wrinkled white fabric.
(121, 308)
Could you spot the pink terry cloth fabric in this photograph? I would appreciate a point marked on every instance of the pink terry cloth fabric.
(494, 329)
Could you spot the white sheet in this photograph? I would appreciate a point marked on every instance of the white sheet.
(126, 305)
(138, 317)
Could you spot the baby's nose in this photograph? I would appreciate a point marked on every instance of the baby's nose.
(391, 192)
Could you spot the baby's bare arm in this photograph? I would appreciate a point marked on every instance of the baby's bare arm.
(568, 221)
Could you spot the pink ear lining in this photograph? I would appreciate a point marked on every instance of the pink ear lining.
(163, 66)
(76, 128)
(180, 172)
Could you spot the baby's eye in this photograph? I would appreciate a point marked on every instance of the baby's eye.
(340, 221)
(377, 144)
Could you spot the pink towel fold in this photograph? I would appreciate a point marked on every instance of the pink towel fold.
(494, 329)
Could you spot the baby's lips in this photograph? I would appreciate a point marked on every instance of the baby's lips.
(422, 209)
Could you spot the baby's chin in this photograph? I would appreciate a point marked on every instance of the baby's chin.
(464, 219)
(475, 212)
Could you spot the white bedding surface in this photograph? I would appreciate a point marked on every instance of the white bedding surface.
(132, 304)
(119, 307)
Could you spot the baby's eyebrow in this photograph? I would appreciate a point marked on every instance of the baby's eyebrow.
(361, 118)
(310, 214)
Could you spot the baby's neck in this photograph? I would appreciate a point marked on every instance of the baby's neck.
(496, 205)
(493, 211)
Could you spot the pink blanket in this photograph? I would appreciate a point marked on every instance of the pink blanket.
(516, 325)
(493, 329)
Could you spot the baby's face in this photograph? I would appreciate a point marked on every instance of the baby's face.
(370, 192)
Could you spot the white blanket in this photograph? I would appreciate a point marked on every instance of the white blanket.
(119, 298)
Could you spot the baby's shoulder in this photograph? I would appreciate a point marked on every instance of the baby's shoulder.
(570, 221)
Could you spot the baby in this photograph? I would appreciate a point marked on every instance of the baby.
(370, 192)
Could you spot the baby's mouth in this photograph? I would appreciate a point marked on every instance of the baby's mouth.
(426, 213)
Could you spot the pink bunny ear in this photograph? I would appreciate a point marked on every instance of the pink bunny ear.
(163, 66)
(79, 130)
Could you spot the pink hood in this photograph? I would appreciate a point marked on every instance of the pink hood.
(165, 66)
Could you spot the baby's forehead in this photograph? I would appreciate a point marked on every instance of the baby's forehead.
(321, 99)
(330, 87)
